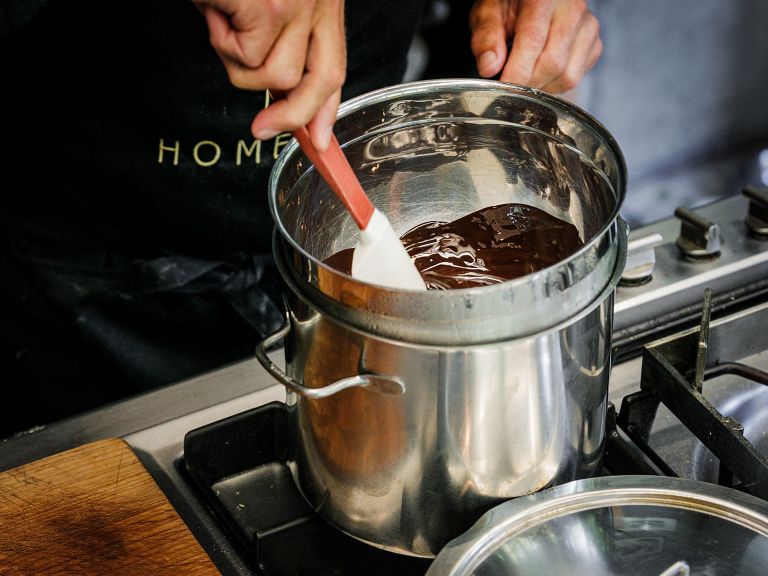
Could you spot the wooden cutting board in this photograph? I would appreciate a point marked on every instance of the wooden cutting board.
(92, 510)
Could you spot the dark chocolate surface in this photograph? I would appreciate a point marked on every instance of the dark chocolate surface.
(491, 245)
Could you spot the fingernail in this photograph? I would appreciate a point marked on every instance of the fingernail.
(265, 134)
(486, 61)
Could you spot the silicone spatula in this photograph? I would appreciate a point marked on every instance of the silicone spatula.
(379, 257)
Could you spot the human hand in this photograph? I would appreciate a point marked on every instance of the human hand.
(554, 42)
(296, 47)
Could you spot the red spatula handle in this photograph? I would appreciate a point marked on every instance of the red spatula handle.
(336, 171)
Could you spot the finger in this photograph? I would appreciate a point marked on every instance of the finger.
(219, 28)
(585, 52)
(321, 126)
(594, 55)
(247, 46)
(299, 107)
(324, 76)
(488, 25)
(284, 66)
(531, 31)
(567, 25)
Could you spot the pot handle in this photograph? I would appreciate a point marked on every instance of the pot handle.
(390, 385)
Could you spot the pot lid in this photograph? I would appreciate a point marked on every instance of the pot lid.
(629, 525)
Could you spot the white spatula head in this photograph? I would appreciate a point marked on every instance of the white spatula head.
(380, 258)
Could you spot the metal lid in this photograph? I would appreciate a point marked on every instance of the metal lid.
(643, 525)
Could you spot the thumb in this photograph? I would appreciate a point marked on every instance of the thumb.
(487, 22)
(321, 126)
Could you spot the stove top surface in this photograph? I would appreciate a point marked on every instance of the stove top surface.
(230, 482)
(252, 495)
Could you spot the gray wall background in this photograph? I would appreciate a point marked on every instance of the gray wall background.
(682, 85)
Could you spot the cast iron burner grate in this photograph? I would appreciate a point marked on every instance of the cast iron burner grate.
(239, 467)
(674, 372)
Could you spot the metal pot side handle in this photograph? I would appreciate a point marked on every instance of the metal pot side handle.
(390, 385)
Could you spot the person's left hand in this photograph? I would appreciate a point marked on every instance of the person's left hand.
(553, 42)
(296, 47)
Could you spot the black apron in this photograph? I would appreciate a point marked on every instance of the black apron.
(136, 251)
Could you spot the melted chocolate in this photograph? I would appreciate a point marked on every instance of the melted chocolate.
(489, 246)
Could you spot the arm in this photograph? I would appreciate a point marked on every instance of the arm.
(553, 42)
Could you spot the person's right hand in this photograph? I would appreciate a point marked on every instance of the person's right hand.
(296, 47)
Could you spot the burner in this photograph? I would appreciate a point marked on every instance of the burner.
(239, 466)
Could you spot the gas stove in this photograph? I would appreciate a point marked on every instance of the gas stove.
(687, 398)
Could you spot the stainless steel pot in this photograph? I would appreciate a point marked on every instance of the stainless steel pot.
(417, 411)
